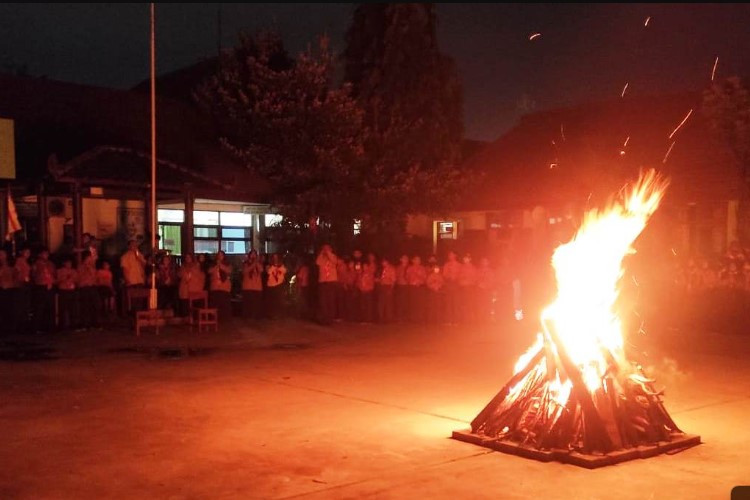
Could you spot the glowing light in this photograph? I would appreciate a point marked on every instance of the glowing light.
(518, 314)
(624, 89)
(668, 151)
(713, 71)
(588, 270)
(534, 36)
(681, 123)
(645, 23)
(562, 132)
(626, 142)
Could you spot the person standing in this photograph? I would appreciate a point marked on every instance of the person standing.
(166, 281)
(304, 290)
(486, 288)
(366, 288)
(7, 286)
(43, 277)
(89, 303)
(385, 283)
(451, 270)
(467, 284)
(220, 287)
(327, 279)
(23, 289)
(252, 286)
(435, 294)
(342, 289)
(416, 275)
(275, 286)
(67, 297)
(133, 266)
(401, 291)
(106, 289)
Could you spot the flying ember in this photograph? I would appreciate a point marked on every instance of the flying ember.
(574, 395)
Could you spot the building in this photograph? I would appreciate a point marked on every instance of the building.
(83, 165)
(539, 177)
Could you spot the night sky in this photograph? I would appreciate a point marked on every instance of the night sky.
(585, 52)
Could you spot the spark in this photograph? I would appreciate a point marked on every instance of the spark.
(562, 132)
(625, 88)
(674, 252)
(552, 165)
(635, 281)
(645, 23)
(713, 72)
(667, 156)
(626, 142)
(681, 123)
(534, 35)
(622, 152)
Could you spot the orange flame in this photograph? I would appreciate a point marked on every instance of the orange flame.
(588, 270)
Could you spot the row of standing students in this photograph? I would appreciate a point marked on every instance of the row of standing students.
(371, 290)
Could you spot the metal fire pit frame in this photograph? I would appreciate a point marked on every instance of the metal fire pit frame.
(679, 442)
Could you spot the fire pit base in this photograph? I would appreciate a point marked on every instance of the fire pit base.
(589, 461)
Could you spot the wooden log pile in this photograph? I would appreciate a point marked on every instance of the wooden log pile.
(624, 412)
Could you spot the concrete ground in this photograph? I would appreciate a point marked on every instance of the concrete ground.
(291, 409)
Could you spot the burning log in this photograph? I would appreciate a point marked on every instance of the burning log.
(574, 396)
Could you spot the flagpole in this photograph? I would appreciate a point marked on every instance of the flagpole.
(152, 302)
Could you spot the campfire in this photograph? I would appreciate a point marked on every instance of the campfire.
(574, 395)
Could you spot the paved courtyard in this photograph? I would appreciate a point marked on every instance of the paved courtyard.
(292, 409)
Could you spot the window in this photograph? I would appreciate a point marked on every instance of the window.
(206, 232)
(236, 219)
(206, 246)
(235, 246)
(205, 218)
(236, 232)
(168, 215)
(170, 238)
(357, 226)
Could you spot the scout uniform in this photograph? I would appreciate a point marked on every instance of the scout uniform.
(386, 283)
(89, 303)
(66, 292)
(43, 277)
(416, 275)
(252, 288)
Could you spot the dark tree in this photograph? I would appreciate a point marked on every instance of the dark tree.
(411, 98)
(286, 120)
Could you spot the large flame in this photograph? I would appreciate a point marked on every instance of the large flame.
(588, 270)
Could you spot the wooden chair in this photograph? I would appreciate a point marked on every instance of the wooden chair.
(153, 317)
(202, 316)
(133, 294)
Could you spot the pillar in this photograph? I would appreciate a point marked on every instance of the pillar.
(188, 233)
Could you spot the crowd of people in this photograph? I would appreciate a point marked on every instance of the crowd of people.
(47, 294)
(730, 272)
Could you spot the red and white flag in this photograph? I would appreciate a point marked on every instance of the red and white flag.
(13, 224)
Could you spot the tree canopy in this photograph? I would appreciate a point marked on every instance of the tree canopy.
(411, 99)
(287, 120)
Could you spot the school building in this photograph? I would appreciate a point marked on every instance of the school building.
(77, 159)
(539, 178)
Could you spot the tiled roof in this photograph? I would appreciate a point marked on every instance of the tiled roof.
(105, 133)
